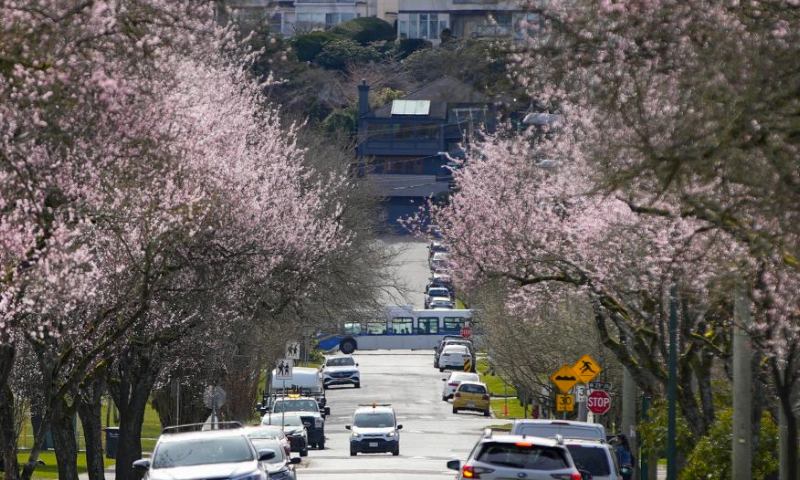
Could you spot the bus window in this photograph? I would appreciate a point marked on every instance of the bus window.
(352, 328)
(453, 324)
(376, 327)
(428, 325)
(402, 325)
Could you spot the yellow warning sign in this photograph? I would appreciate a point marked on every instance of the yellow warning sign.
(565, 403)
(586, 369)
(565, 378)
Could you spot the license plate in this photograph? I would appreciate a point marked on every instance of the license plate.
(373, 444)
(470, 405)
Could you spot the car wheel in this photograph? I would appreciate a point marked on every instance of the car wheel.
(486, 413)
(347, 347)
(324, 387)
(304, 452)
(357, 385)
(441, 369)
(396, 451)
(353, 452)
(444, 398)
(455, 410)
(321, 445)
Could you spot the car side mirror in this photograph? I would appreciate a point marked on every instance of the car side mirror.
(399, 427)
(295, 460)
(266, 454)
(444, 379)
(348, 427)
(454, 465)
(142, 465)
(356, 364)
(327, 411)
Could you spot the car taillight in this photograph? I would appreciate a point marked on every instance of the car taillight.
(458, 394)
(452, 384)
(486, 397)
(566, 476)
(474, 472)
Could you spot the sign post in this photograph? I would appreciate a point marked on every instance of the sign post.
(283, 371)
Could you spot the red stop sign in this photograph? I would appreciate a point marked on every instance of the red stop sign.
(466, 331)
(598, 402)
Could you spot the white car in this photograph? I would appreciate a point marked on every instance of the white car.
(439, 261)
(438, 293)
(440, 302)
(596, 457)
(375, 429)
(453, 357)
(452, 382)
(341, 370)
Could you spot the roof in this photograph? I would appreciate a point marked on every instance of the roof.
(440, 93)
(544, 442)
(469, 382)
(183, 436)
(376, 409)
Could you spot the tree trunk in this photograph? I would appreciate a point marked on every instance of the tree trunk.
(792, 445)
(64, 444)
(90, 408)
(8, 434)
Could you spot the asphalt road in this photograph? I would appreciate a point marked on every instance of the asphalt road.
(431, 433)
(410, 271)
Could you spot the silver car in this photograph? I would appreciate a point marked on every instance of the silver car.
(515, 456)
(596, 457)
(205, 454)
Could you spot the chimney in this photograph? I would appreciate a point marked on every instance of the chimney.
(363, 98)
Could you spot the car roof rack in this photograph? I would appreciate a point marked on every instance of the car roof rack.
(198, 427)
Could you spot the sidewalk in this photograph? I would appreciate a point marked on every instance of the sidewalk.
(110, 474)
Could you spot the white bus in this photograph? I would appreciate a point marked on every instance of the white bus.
(401, 328)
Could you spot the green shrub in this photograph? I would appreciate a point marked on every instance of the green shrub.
(407, 46)
(711, 457)
(365, 30)
(336, 54)
(341, 121)
(309, 45)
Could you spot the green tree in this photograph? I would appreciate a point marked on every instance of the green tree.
(365, 30)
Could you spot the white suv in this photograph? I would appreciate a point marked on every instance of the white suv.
(452, 382)
(596, 457)
(340, 370)
(453, 357)
(375, 429)
(517, 456)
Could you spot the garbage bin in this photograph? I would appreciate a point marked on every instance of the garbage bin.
(112, 439)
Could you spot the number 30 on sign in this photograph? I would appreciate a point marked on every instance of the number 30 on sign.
(565, 403)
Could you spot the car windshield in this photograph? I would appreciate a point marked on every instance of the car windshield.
(593, 459)
(471, 388)
(373, 420)
(438, 292)
(263, 444)
(282, 420)
(203, 451)
(523, 455)
(295, 406)
(340, 362)
(272, 432)
(464, 377)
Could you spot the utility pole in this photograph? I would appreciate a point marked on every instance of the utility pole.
(742, 448)
(672, 386)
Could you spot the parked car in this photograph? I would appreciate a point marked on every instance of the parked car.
(514, 456)
(374, 429)
(440, 302)
(596, 457)
(281, 466)
(439, 261)
(193, 455)
(310, 414)
(341, 370)
(453, 357)
(454, 380)
(454, 341)
(291, 423)
(472, 396)
(565, 428)
(441, 279)
(435, 293)
(271, 432)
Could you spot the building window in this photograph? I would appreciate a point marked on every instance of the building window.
(320, 21)
(421, 25)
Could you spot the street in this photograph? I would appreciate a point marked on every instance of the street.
(410, 270)
(431, 434)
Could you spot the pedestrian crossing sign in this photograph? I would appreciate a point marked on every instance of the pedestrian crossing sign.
(586, 369)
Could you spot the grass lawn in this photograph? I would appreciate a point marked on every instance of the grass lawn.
(494, 382)
(50, 469)
(514, 409)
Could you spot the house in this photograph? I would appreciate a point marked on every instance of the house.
(426, 19)
(405, 146)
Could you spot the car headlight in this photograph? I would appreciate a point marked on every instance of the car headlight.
(356, 435)
(391, 434)
(250, 476)
(318, 423)
(282, 474)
